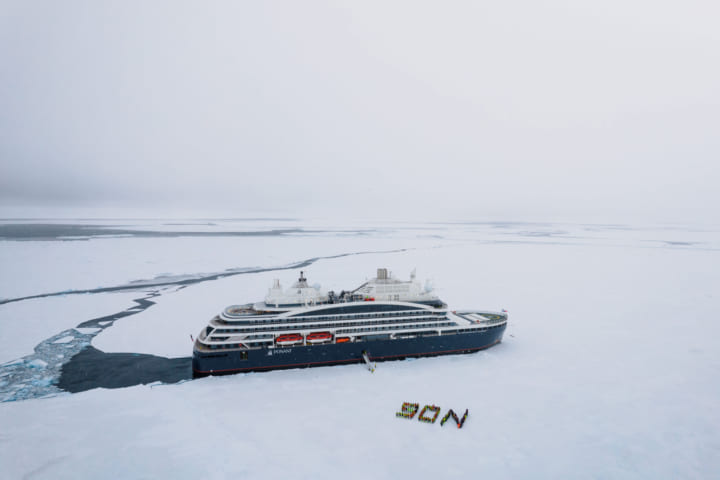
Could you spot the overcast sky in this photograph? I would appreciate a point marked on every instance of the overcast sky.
(594, 111)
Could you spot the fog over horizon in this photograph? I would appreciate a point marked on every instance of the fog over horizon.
(390, 110)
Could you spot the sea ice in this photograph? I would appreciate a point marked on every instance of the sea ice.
(66, 339)
(11, 363)
(43, 382)
(608, 369)
(37, 363)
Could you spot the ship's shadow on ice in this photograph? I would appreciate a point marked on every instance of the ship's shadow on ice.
(92, 368)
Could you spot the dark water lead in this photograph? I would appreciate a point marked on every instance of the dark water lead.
(37, 375)
(92, 368)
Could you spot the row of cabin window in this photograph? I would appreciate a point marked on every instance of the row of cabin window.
(359, 330)
(320, 325)
(479, 329)
(367, 329)
(224, 346)
(242, 356)
(339, 318)
(334, 318)
(350, 316)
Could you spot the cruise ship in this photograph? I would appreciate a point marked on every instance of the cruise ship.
(304, 326)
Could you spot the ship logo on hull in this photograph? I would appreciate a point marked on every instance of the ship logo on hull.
(278, 351)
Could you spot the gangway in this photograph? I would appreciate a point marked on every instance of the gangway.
(371, 366)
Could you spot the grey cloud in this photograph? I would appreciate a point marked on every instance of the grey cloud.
(393, 109)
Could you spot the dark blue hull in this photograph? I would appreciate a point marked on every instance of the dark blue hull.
(234, 361)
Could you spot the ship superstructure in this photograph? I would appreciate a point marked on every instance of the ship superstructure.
(384, 318)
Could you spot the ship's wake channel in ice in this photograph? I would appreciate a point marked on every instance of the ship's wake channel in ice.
(66, 362)
(37, 375)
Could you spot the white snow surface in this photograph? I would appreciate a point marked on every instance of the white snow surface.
(608, 369)
(88, 331)
(39, 267)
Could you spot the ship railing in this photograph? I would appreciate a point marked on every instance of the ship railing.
(275, 326)
(490, 323)
(214, 347)
(257, 319)
(482, 318)
(399, 329)
(223, 340)
(366, 326)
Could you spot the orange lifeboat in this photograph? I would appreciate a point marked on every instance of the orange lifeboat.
(290, 339)
(319, 337)
(342, 339)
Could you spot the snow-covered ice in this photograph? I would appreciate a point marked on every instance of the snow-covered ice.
(88, 331)
(608, 368)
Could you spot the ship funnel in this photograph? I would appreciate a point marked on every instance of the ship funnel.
(382, 274)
